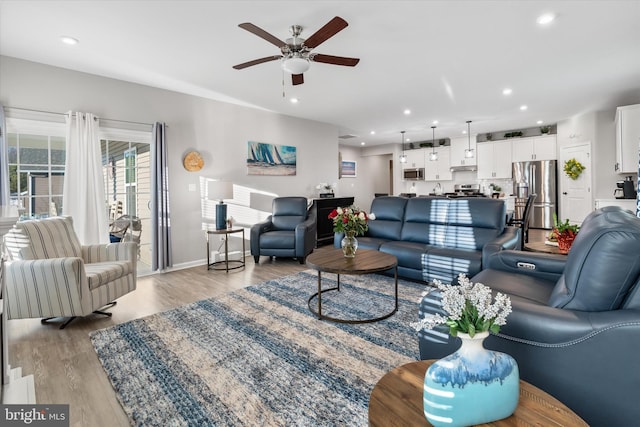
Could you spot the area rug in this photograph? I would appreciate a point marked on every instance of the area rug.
(258, 357)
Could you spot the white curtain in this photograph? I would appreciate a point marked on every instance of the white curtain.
(83, 196)
(4, 161)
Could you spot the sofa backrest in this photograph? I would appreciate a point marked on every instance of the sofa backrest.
(425, 220)
(389, 214)
(603, 265)
(464, 223)
(288, 212)
(43, 239)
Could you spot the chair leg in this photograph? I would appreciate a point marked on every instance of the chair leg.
(301, 259)
(64, 325)
(256, 258)
(106, 313)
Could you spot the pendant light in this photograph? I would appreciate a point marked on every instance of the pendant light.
(468, 153)
(403, 157)
(433, 156)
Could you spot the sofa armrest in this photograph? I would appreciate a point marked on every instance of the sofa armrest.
(305, 234)
(123, 251)
(256, 230)
(55, 287)
(509, 239)
(536, 264)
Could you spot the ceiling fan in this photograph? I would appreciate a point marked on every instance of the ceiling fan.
(297, 52)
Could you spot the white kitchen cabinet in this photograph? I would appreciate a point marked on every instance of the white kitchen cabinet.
(415, 159)
(458, 148)
(438, 170)
(627, 138)
(494, 159)
(534, 148)
(629, 204)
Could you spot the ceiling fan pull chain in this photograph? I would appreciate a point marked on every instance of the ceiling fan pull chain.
(283, 94)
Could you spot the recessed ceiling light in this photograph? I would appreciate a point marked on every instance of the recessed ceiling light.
(373, 132)
(435, 122)
(539, 122)
(408, 139)
(69, 40)
(523, 107)
(362, 143)
(407, 112)
(464, 132)
(545, 19)
(507, 91)
(294, 100)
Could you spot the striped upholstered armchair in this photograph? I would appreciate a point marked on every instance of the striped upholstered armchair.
(49, 274)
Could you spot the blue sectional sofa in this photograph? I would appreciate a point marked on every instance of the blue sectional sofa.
(443, 237)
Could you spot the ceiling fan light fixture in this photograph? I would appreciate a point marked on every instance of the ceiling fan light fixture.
(295, 65)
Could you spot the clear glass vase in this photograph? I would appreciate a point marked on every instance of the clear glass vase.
(471, 386)
(349, 244)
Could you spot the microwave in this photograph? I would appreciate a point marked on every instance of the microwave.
(413, 173)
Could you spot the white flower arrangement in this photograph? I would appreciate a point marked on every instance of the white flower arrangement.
(469, 307)
(326, 186)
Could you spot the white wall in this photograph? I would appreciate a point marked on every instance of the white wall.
(219, 131)
(599, 128)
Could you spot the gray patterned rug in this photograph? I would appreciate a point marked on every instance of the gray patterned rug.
(258, 357)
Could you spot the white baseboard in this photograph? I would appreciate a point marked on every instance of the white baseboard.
(20, 390)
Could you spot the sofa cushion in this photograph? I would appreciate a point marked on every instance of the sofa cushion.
(523, 286)
(288, 212)
(445, 264)
(372, 243)
(602, 265)
(278, 239)
(43, 239)
(389, 214)
(473, 222)
(425, 220)
(101, 273)
(409, 254)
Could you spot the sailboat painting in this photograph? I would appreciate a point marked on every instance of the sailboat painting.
(270, 159)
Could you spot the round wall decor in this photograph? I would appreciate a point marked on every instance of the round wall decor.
(193, 161)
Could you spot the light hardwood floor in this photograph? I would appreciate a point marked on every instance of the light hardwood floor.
(65, 367)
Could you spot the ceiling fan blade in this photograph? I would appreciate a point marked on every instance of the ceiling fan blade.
(335, 60)
(330, 29)
(297, 79)
(257, 61)
(262, 34)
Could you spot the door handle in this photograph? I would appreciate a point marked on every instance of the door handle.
(564, 193)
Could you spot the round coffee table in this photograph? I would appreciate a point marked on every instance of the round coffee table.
(365, 262)
(396, 400)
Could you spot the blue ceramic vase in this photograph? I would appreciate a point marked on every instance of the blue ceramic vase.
(471, 386)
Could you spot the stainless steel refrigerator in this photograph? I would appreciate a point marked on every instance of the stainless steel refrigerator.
(541, 179)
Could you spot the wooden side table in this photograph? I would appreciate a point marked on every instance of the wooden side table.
(236, 263)
(396, 400)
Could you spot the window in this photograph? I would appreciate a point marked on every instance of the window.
(36, 167)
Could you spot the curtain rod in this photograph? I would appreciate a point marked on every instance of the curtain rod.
(64, 114)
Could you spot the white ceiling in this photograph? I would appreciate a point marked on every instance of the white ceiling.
(444, 60)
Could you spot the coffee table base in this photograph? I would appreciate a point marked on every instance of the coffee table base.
(321, 316)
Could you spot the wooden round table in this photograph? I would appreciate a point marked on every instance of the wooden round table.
(396, 400)
(365, 262)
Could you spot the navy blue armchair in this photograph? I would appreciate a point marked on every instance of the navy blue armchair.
(290, 231)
